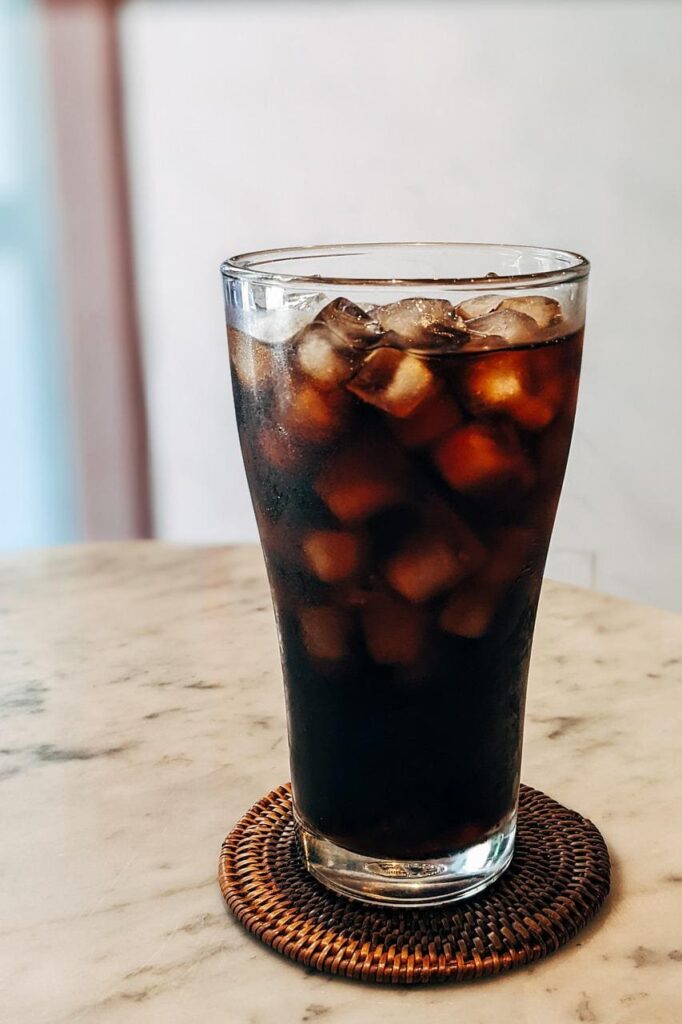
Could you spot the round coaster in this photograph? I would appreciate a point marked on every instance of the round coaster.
(558, 879)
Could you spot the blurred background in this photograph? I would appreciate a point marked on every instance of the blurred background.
(141, 142)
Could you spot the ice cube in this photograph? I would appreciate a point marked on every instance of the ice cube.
(514, 383)
(358, 595)
(333, 555)
(471, 607)
(433, 418)
(320, 357)
(424, 567)
(421, 322)
(394, 381)
(324, 631)
(546, 312)
(508, 324)
(310, 415)
(469, 611)
(254, 361)
(480, 305)
(533, 412)
(494, 381)
(440, 518)
(350, 324)
(361, 480)
(394, 631)
(480, 458)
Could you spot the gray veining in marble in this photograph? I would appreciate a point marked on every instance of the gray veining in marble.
(141, 713)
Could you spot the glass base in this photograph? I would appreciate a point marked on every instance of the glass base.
(408, 883)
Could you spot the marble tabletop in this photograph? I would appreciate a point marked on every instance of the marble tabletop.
(141, 713)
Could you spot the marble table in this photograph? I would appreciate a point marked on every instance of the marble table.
(141, 712)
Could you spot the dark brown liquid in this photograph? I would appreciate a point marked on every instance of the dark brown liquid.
(405, 554)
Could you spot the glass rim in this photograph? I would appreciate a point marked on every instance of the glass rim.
(246, 266)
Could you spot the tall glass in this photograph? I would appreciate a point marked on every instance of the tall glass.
(405, 415)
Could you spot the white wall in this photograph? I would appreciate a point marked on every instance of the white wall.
(255, 124)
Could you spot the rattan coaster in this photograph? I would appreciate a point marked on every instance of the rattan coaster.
(558, 879)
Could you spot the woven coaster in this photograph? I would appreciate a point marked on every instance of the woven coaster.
(557, 881)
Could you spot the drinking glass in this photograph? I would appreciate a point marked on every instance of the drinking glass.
(405, 414)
